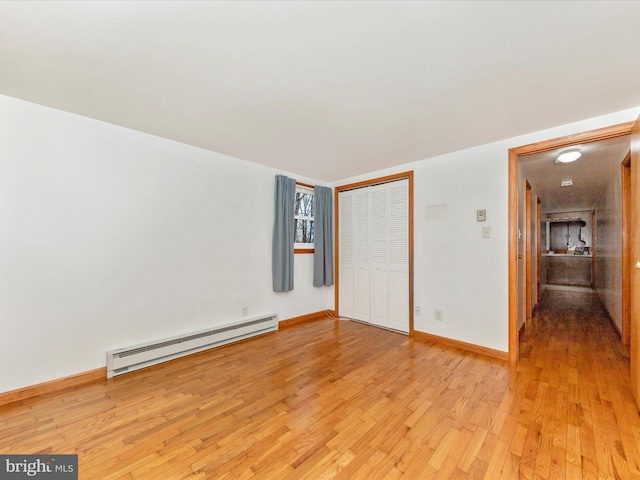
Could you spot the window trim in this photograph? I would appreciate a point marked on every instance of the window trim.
(304, 247)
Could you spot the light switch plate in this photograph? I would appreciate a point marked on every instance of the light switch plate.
(481, 215)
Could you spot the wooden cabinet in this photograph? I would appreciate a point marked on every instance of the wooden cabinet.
(568, 255)
(571, 270)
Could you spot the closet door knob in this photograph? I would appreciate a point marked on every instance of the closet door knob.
(638, 265)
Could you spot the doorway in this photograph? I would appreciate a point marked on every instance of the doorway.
(516, 192)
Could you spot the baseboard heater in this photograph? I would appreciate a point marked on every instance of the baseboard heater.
(132, 358)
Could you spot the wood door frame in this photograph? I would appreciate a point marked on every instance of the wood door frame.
(634, 262)
(594, 252)
(528, 310)
(625, 168)
(367, 183)
(536, 234)
(513, 197)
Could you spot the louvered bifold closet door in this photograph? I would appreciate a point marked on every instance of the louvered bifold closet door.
(374, 254)
(362, 280)
(346, 294)
(398, 316)
(379, 254)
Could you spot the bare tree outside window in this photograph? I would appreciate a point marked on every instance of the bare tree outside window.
(304, 231)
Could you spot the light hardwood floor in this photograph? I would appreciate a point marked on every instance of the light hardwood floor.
(337, 399)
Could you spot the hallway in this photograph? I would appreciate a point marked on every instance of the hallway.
(582, 420)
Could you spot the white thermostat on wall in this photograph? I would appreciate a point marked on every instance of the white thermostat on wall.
(481, 215)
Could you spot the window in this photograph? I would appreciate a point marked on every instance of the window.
(303, 228)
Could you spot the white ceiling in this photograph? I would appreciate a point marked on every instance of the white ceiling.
(598, 166)
(325, 89)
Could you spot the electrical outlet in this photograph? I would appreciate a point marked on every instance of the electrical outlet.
(417, 310)
(245, 311)
(438, 315)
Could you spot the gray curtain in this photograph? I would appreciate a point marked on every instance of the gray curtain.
(282, 258)
(323, 248)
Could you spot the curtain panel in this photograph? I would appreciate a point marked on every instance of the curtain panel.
(282, 255)
(323, 248)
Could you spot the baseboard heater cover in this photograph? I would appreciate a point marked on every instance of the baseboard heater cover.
(123, 360)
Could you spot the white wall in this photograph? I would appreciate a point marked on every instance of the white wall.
(111, 237)
(456, 270)
(609, 248)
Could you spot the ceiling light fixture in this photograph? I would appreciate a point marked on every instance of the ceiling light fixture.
(566, 183)
(568, 156)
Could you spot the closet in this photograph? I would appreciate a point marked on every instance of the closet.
(373, 239)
